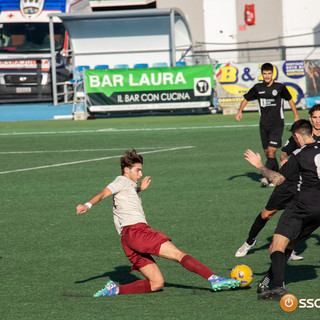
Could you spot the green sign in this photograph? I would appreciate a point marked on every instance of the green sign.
(150, 88)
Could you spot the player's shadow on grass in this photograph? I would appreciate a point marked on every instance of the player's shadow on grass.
(297, 272)
(123, 275)
(301, 246)
(181, 286)
(301, 272)
(252, 175)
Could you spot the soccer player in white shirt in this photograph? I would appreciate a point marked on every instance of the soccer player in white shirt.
(140, 241)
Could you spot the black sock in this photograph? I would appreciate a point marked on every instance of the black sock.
(256, 227)
(278, 262)
(275, 165)
(288, 253)
(269, 163)
(269, 276)
(272, 164)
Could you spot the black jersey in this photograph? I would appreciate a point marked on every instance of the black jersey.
(270, 101)
(291, 145)
(306, 162)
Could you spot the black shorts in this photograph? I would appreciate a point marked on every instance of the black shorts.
(298, 220)
(282, 195)
(271, 136)
(307, 231)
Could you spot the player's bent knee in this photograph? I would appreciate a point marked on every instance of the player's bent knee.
(157, 285)
(277, 246)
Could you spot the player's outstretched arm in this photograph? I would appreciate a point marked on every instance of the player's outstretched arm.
(242, 106)
(255, 159)
(145, 182)
(83, 208)
(294, 110)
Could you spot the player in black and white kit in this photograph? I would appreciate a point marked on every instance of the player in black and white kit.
(283, 193)
(302, 215)
(270, 95)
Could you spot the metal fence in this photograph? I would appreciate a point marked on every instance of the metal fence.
(260, 54)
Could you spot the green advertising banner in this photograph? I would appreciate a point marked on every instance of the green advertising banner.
(149, 89)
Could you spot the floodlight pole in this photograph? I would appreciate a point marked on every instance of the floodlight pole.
(53, 62)
(173, 39)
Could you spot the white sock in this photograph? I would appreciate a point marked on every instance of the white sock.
(213, 277)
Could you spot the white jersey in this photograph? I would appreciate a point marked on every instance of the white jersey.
(127, 206)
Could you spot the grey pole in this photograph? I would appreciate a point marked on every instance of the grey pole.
(53, 63)
(173, 40)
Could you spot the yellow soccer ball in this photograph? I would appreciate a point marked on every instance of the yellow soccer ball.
(243, 273)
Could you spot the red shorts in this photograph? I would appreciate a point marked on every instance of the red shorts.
(139, 242)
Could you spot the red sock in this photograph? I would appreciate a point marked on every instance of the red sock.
(140, 286)
(194, 265)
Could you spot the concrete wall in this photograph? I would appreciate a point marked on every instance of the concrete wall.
(266, 32)
(268, 23)
(220, 24)
(193, 11)
(301, 17)
(220, 27)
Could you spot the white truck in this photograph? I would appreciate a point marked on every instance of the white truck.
(25, 56)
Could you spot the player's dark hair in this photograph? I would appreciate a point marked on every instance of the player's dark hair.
(129, 159)
(314, 108)
(302, 127)
(267, 67)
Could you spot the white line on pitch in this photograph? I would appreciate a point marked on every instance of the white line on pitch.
(91, 160)
(80, 150)
(127, 130)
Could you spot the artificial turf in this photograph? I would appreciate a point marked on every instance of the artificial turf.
(203, 194)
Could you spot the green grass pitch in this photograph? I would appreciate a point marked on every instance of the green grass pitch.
(203, 194)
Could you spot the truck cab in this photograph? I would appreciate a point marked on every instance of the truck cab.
(25, 56)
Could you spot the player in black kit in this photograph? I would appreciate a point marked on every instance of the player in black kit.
(283, 193)
(270, 95)
(302, 215)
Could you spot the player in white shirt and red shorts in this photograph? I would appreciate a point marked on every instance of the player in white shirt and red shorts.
(140, 241)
